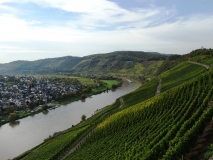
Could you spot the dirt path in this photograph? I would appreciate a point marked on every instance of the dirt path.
(121, 101)
(202, 142)
(81, 141)
(159, 86)
(204, 65)
(87, 135)
(78, 144)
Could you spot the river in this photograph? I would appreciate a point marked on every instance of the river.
(31, 131)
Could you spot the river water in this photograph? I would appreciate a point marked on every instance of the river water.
(31, 131)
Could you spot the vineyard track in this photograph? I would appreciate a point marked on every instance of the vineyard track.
(202, 142)
(159, 86)
(121, 101)
(78, 144)
(87, 135)
(204, 65)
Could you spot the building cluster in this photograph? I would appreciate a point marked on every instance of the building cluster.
(29, 89)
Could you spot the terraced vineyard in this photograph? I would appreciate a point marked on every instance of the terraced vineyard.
(144, 92)
(179, 74)
(146, 126)
(62, 142)
(163, 127)
(57, 146)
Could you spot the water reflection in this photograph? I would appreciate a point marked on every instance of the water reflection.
(113, 90)
(14, 124)
(32, 131)
(83, 100)
(45, 112)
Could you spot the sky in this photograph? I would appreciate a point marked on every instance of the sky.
(38, 29)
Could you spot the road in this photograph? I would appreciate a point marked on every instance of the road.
(200, 64)
(159, 86)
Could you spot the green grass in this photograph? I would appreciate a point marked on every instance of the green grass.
(86, 81)
(82, 80)
(179, 74)
(137, 69)
(110, 82)
(147, 68)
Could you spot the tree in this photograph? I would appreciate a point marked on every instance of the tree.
(10, 109)
(83, 117)
(45, 107)
(83, 96)
(12, 117)
(114, 86)
(31, 105)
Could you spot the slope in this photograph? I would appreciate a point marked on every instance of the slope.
(163, 127)
(100, 62)
(152, 128)
(50, 65)
(180, 73)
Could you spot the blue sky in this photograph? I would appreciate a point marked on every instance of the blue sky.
(37, 29)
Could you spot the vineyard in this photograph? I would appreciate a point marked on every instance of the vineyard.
(144, 92)
(144, 126)
(60, 143)
(163, 127)
(179, 74)
(57, 147)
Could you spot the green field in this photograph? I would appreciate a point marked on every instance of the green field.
(181, 73)
(86, 81)
(109, 83)
(147, 68)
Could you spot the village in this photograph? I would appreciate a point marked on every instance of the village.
(19, 92)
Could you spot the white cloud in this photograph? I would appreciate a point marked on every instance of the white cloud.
(136, 29)
(97, 13)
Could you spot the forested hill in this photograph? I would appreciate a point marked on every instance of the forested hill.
(98, 62)
(50, 65)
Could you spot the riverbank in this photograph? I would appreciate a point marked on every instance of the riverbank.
(32, 130)
(105, 88)
(23, 114)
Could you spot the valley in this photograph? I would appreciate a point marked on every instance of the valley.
(162, 119)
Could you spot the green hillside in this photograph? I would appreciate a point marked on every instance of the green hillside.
(199, 55)
(51, 65)
(180, 73)
(141, 125)
(109, 62)
(163, 127)
(144, 92)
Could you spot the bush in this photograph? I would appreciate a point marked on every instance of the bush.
(13, 117)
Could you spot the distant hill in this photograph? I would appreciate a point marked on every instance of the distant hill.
(99, 62)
